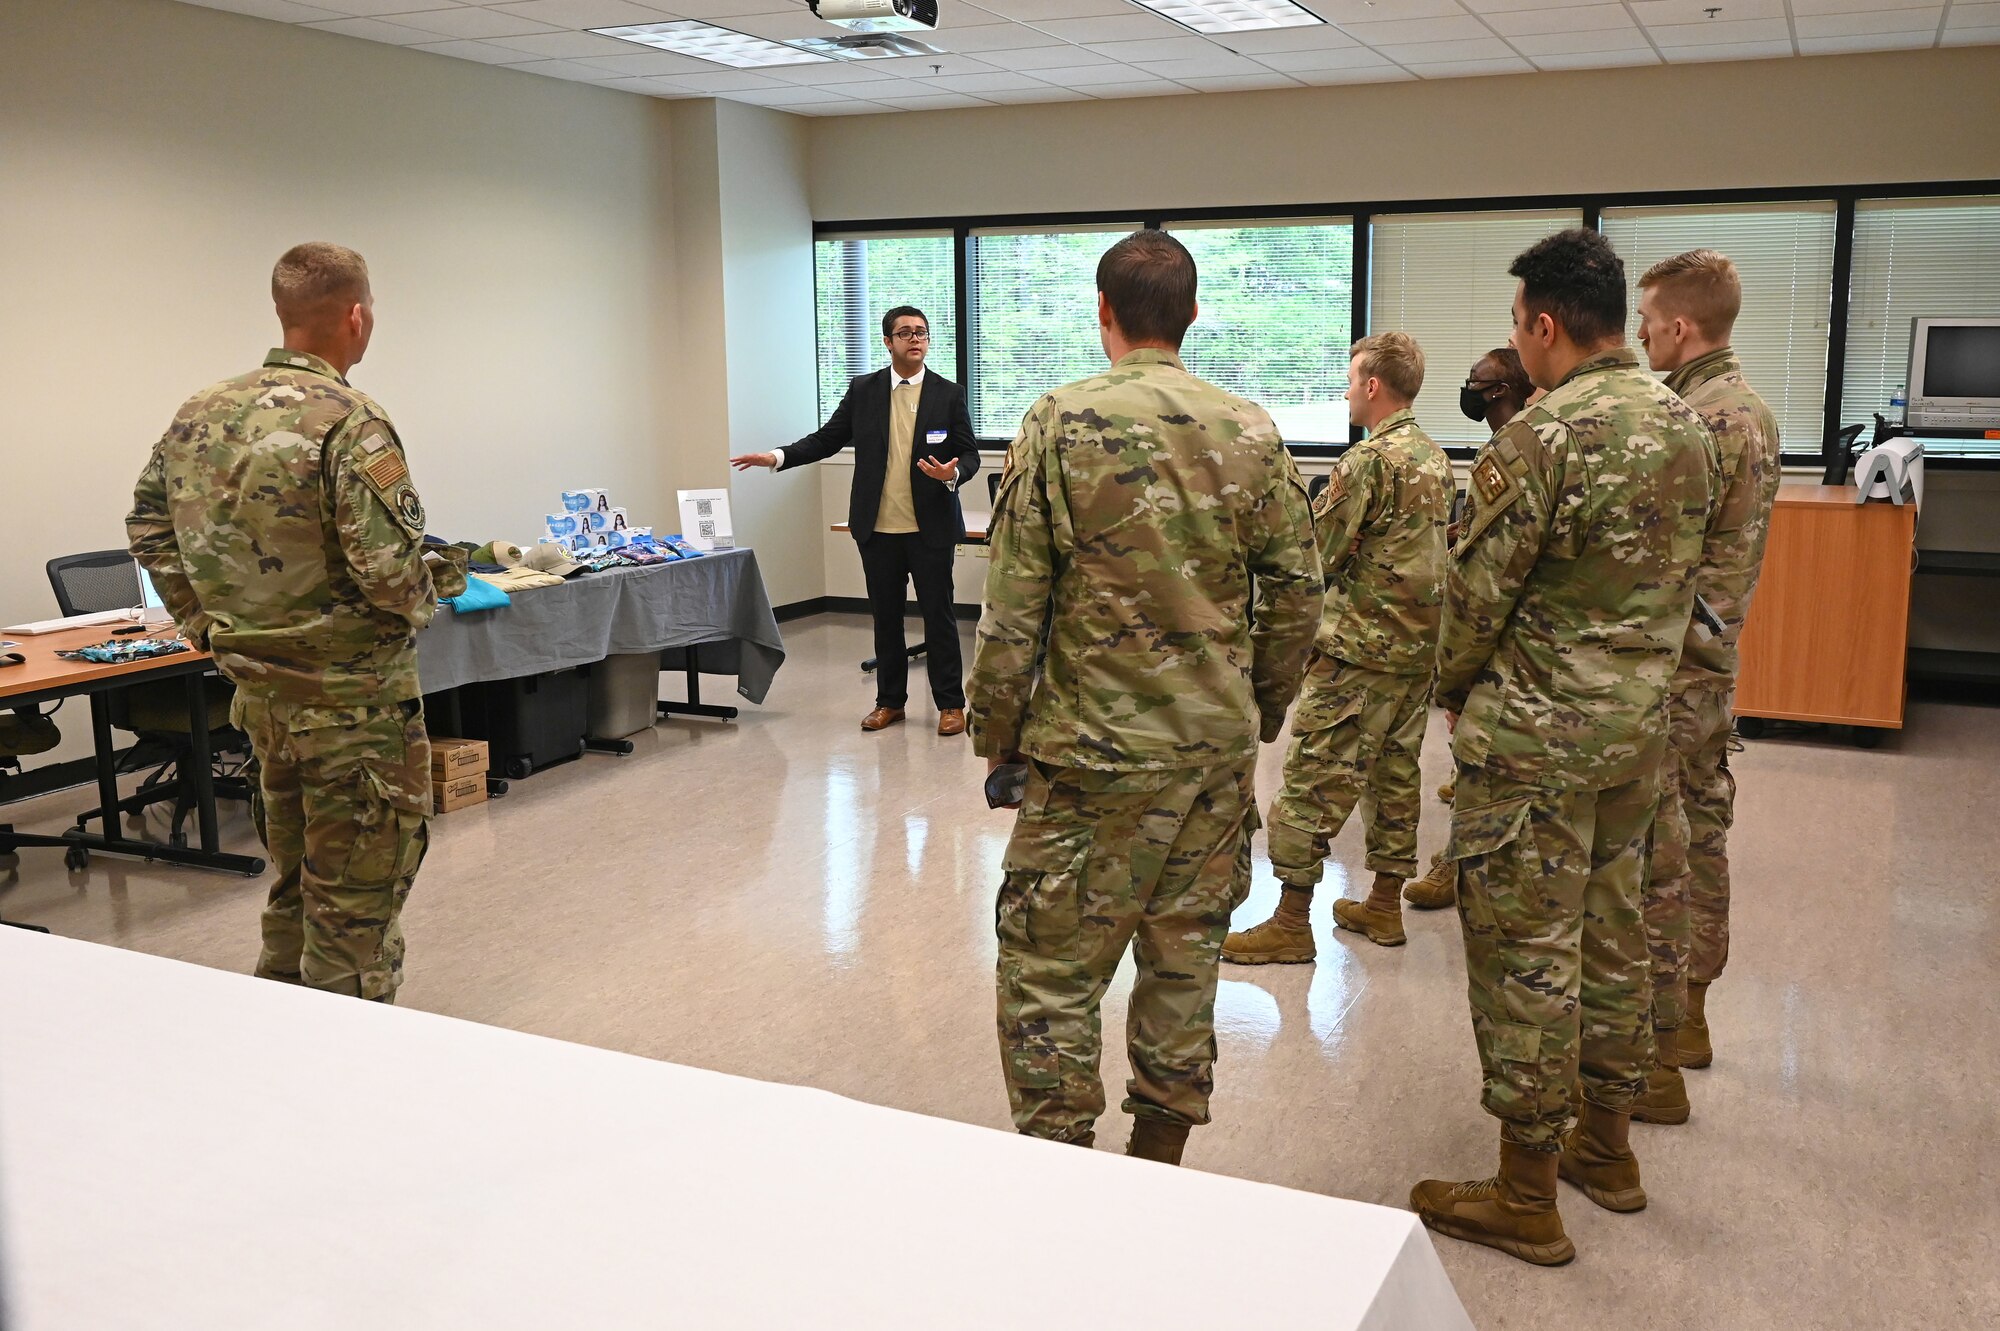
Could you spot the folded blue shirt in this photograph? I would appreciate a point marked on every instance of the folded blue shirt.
(479, 594)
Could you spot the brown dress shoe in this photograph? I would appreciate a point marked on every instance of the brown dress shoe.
(951, 721)
(882, 718)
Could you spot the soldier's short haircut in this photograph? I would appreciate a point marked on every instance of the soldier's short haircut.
(1149, 280)
(316, 279)
(1577, 279)
(1702, 286)
(1394, 358)
(889, 319)
(1512, 372)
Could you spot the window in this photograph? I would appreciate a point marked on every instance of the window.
(856, 280)
(1442, 278)
(1784, 254)
(1915, 258)
(1276, 305)
(1034, 319)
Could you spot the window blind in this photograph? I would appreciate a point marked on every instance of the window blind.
(1034, 318)
(1275, 324)
(858, 279)
(1784, 254)
(1442, 278)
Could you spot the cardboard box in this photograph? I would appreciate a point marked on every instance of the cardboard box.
(451, 758)
(457, 792)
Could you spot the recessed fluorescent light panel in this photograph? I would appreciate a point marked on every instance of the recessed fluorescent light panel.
(1218, 16)
(705, 41)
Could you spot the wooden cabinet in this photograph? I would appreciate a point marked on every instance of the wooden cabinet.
(1830, 622)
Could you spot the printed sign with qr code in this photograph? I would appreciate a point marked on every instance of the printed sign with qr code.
(706, 508)
(706, 529)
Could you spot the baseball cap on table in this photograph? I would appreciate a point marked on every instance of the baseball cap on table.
(504, 553)
(549, 557)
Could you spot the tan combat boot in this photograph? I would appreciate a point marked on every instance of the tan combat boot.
(1692, 1047)
(1286, 937)
(1156, 1139)
(1597, 1157)
(1665, 1099)
(1514, 1211)
(1436, 889)
(1379, 919)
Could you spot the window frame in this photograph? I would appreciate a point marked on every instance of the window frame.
(1360, 213)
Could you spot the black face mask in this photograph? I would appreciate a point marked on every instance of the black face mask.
(1472, 401)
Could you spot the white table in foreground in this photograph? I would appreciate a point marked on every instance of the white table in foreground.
(185, 1148)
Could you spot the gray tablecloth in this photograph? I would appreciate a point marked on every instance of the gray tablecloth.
(719, 598)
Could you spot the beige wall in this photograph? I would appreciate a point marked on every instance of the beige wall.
(1899, 116)
(158, 157)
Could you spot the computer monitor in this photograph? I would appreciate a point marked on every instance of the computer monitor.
(1954, 374)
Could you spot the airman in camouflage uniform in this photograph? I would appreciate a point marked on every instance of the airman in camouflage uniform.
(1359, 726)
(1569, 593)
(1152, 550)
(280, 524)
(1687, 307)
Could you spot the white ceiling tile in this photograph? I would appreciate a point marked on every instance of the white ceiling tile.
(1867, 41)
(875, 89)
(831, 74)
(1221, 65)
(374, 30)
(583, 13)
(284, 11)
(1097, 76)
(1063, 56)
(1582, 18)
(642, 64)
(1874, 22)
(569, 45)
(1693, 55)
(1472, 69)
(928, 66)
(1305, 39)
(1511, 6)
(1045, 94)
(1241, 83)
(1416, 30)
(847, 108)
(1298, 63)
(1380, 72)
(1655, 13)
(1572, 43)
(1344, 12)
(720, 11)
(1031, 11)
(1973, 16)
(725, 80)
(939, 101)
(786, 97)
(486, 53)
(473, 22)
(1167, 48)
(1432, 53)
(1853, 6)
(1150, 88)
(650, 87)
(1643, 55)
(576, 71)
(1971, 37)
(1130, 27)
(1722, 32)
(376, 8)
(981, 84)
(991, 37)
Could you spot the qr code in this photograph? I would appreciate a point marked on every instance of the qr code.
(704, 508)
(705, 529)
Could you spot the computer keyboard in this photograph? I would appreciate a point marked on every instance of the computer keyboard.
(90, 621)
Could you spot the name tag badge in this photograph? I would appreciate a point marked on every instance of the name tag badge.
(934, 436)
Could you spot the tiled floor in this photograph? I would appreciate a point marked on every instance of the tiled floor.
(789, 898)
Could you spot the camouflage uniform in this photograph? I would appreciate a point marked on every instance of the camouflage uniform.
(1565, 605)
(1687, 897)
(1145, 521)
(1359, 727)
(278, 520)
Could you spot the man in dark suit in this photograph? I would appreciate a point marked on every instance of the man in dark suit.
(913, 448)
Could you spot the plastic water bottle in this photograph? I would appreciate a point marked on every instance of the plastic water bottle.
(1900, 398)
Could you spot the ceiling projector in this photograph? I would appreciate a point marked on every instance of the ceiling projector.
(878, 15)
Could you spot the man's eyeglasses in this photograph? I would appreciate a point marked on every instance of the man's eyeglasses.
(912, 334)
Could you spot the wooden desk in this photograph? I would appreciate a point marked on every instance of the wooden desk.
(46, 677)
(1830, 623)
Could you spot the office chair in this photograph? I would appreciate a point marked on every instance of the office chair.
(156, 712)
(1838, 453)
